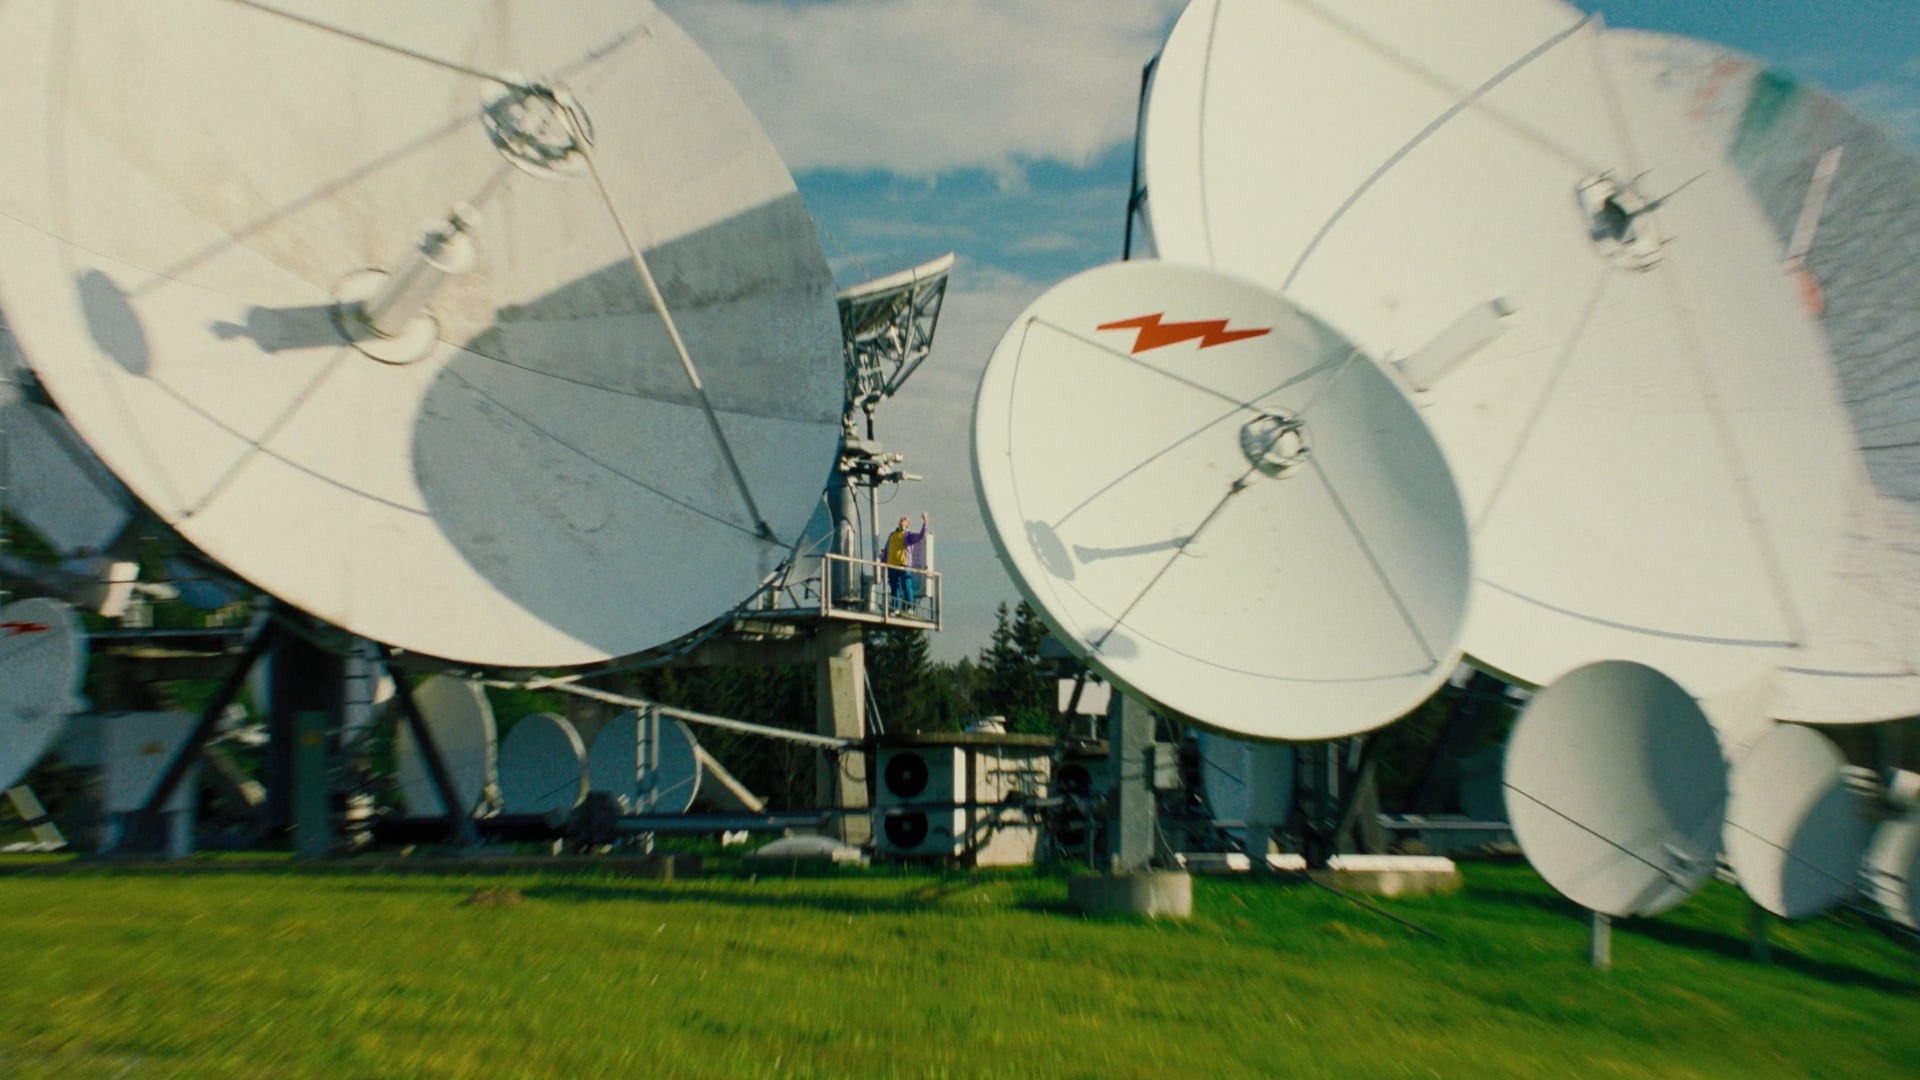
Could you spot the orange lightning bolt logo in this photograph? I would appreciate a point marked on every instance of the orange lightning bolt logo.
(1153, 334)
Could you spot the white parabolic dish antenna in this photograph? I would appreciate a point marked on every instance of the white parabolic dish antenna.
(1494, 198)
(42, 662)
(1221, 504)
(543, 766)
(365, 300)
(618, 764)
(1843, 202)
(460, 720)
(1795, 831)
(1616, 789)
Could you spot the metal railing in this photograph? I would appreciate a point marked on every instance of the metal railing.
(871, 591)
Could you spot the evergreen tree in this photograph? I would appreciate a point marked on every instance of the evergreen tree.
(1014, 681)
(903, 681)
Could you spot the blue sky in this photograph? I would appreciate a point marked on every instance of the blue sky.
(1002, 129)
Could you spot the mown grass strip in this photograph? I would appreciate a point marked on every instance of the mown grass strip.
(295, 973)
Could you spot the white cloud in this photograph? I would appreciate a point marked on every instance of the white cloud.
(921, 87)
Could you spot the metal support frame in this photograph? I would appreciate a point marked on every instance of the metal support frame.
(1465, 721)
(1600, 940)
(461, 817)
(216, 706)
(887, 327)
(876, 603)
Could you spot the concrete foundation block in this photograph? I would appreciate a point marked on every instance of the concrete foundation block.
(1152, 895)
(1391, 875)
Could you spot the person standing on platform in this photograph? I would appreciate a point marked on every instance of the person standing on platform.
(906, 558)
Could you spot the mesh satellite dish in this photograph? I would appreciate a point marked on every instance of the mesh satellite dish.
(888, 327)
(1893, 870)
(1220, 503)
(1616, 789)
(460, 720)
(1840, 197)
(1248, 785)
(43, 656)
(1504, 205)
(629, 765)
(543, 766)
(497, 333)
(1795, 830)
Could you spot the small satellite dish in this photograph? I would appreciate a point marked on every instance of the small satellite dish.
(1795, 830)
(503, 338)
(619, 764)
(1616, 789)
(1221, 504)
(1248, 784)
(43, 653)
(1839, 195)
(460, 720)
(543, 766)
(1507, 208)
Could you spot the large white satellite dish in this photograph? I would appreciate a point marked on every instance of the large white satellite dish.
(1843, 202)
(43, 652)
(1616, 789)
(625, 763)
(366, 301)
(1795, 830)
(460, 720)
(1499, 201)
(543, 766)
(1221, 504)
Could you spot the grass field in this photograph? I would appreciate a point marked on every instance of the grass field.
(312, 973)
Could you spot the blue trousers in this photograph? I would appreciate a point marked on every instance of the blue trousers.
(900, 584)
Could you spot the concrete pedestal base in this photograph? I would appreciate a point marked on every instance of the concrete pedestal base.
(1153, 895)
(1389, 875)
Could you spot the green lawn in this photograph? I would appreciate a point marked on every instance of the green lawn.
(301, 973)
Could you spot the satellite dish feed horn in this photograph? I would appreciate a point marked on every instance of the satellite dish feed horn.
(390, 325)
